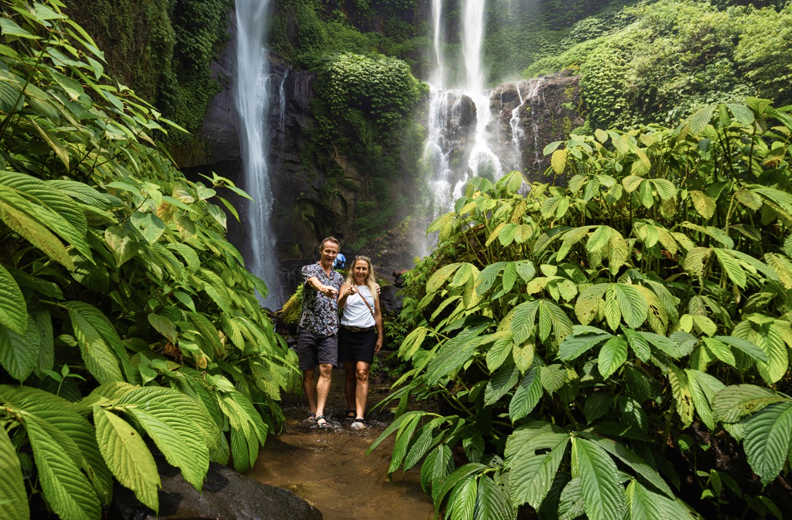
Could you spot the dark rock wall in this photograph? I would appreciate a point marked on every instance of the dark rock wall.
(304, 212)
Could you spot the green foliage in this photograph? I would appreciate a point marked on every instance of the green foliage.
(161, 49)
(677, 55)
(122, 301)
(576, 333)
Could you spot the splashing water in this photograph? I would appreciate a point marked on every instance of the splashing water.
(251, 90)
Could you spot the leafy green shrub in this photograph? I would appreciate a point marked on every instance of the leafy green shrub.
(582, 335)
(117, 289)
(677, 55)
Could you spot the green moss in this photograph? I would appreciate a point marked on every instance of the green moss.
(162, 49)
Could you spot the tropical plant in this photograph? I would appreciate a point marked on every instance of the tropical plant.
(125, 314)
(590, 341)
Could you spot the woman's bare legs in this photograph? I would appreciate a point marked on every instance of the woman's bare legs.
(350, 382)
(362, 387)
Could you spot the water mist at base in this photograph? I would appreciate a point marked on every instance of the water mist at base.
(251, 90)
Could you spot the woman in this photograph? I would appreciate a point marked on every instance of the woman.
(358, 340)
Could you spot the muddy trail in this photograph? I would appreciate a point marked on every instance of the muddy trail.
(330, 469)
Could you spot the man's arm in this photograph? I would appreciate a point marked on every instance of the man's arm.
(315, 284)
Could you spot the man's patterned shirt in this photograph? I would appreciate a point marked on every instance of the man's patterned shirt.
(320, 312)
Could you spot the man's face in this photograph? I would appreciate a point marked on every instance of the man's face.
(329, 253)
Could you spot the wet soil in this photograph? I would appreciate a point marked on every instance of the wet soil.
(330, 469)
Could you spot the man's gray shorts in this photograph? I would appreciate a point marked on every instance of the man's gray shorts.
(314, 349)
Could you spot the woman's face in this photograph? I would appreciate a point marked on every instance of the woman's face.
(361, 271)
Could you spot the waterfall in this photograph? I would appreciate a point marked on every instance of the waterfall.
(444, 183)
(518, 134)
(251, 90)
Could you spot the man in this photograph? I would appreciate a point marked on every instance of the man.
(317, 342)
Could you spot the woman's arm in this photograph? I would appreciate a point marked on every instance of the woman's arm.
(378, 321)
(346, 290)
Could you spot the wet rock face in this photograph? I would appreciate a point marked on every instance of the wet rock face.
(528, 115)
(226, 495)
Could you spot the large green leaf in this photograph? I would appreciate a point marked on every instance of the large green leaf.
(530, 474)
(527, 395)
(96, 351)
(632, 304)
(127, 456)
(12, 485)
(66, 488)
(75, 435)
(767, 439)
(612, 355)
(437, 465)
(13, 309)
(492, 502)
(462, 501)
(772, 343)
(574, 346)
(453, 354)
(167, 419)
(603, 495)
(522, 323)
(19, 353)
(503, 380)
(13, 215)
(733, 402)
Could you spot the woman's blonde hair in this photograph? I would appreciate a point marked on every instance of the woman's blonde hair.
(371, 279)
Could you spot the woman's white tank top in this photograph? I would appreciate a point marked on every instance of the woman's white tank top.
(356, 314)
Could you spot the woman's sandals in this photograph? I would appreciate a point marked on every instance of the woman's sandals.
(349, 415)
(358, 424)
(322, 423)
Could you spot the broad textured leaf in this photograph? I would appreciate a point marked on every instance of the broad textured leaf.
(453, 354)
(603, 495)
(612, 355)
(96, 352)
(745, 346)
(531, 476)
(127, 456)
(19, 353)
(772, 343)
(574, 346)
(488, 276)
(67, 490)
(122, 243)
(29, 228)
(523, 321)
(440, 276)
(502, 381)
(13, 309)
(149, 225)
(527, 395)
(703, 388)
(767, 439)
(437, 465)
(492, 502)
(462, 501)
(736, 401)
(12, 486)
(643, 504)
(703, 203)
(636, 463)
(699, 121)
(632, 304)
(558, 161)
(680, 389)
(731, 267)
(162, 413)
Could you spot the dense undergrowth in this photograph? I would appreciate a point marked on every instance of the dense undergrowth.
(162, 49)
(616, 345)
(128, 324)
(677, 55)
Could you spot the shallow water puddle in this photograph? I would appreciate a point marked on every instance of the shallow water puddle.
(330, 468)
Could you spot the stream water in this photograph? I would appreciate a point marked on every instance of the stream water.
(330, 468)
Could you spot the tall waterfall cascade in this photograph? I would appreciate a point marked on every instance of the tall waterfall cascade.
(251, 93)
(465, 130)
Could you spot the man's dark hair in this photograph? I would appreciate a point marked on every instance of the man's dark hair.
(329, 239)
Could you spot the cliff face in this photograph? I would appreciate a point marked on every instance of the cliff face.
(524, 117)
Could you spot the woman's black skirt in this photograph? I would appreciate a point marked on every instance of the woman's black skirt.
(356, 346)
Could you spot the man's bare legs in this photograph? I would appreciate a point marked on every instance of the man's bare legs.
(309, 387)
(317, 392)
(323, 387)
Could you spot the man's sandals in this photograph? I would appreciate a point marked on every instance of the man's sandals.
(349, 415)
(358, 424)
(322, 423)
